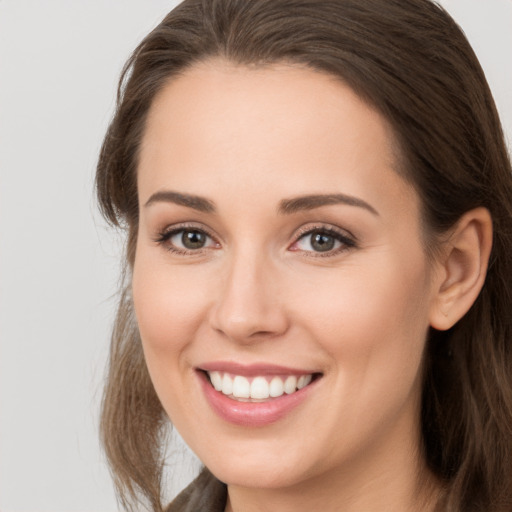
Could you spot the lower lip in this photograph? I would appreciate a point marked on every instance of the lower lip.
(252, 414)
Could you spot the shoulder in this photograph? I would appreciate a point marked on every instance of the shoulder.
(205, 494)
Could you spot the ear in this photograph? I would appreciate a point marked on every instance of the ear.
(461, 268)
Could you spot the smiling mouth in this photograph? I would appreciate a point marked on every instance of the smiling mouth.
(258, 388)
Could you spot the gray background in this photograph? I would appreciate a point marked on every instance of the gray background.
(59, 63)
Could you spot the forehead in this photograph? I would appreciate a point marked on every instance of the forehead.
(274, 125)
(241, 100)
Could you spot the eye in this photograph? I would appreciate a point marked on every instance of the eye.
(189, 239)
(323, 240)
(185, 240)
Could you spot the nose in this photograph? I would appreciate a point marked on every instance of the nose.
(250, 305)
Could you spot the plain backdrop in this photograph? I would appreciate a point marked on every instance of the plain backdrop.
(59, 263)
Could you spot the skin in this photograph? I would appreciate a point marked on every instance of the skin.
(246, 139)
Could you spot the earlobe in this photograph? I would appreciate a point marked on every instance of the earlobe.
(461, 268)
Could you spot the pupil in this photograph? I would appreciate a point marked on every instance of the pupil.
(322, 242)
(193, 239)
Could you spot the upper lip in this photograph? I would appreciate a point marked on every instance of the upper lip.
(253, 370)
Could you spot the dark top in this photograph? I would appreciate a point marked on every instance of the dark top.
(204, 494)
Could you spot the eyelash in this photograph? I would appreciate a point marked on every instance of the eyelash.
(165, 236)
(347, 241)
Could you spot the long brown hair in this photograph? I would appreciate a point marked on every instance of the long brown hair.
(410, 61)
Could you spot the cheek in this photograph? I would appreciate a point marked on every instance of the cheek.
(373, 326)
(169, 307)
(372, 318)
(168, 304)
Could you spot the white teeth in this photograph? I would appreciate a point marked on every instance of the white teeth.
(276, 387)
(216, 379)
(227, 385)
(303, 381)
(241, 387)
(290, 384)
(259, 388)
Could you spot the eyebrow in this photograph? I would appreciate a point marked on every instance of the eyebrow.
(310, 202)
(196, 202)
(286, 206)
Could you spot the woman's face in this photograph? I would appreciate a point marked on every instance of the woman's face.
(279, 248)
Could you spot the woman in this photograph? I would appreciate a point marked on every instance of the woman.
(317, 197)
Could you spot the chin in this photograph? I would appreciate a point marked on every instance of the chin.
(257, 464)
(256, 475)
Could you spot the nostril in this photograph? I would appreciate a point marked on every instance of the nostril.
(251, 329)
